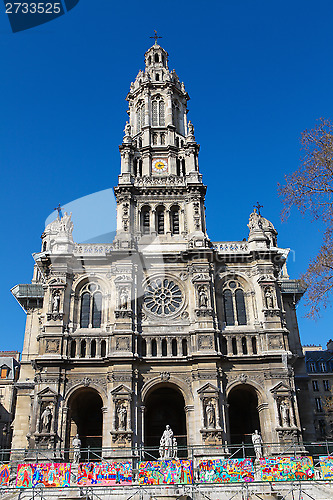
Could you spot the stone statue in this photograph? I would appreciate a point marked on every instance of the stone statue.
(203, 299)
(66, 224)
(210, 415)
(127, 129)
(257, 444)
(166, 443)
(255, 221)
(122, 414)
(56, 302)
(46, 419)
(285, 414)
(77, 449)
(269, 298)
(123, 298)
(190, 128)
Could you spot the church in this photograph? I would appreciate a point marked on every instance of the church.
(161, 326)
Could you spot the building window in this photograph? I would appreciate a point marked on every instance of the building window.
(184, 347)
(73, 349)
(93, 349)
(244, 345)
(103, 348)
(153, 348)
(145, 220)
(157, 59)
(164, 348)
(143, 348)
(315, 385)
(174, 347)
(91, 308)
(322, 428)
(234, 301)
(319, 406)
(140, 117)
(158, 118)
(83, 349)
(322, 366)
(160, 220)
(5, 371)
(312, 367)
(326, 384)
(254, 345)
(174, 220)
(234, 346)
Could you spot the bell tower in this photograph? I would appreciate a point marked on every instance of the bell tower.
(160, 191)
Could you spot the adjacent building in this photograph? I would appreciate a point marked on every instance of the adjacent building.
(9, 373)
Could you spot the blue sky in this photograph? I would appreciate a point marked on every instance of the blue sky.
(258, 73)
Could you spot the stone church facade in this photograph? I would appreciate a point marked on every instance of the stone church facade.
(160, 326)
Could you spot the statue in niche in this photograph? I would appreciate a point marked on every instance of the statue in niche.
(122, 414)
(210, 414)
(123, 298)
(203, 299)
(166, 443)
(269, 298)
(257, 444)
(55, 303)
(46, 420)
(285, 413)
(255, 223)
(77, 449)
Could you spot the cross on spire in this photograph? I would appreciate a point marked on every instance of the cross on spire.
(58, 208)
(155, 37)
(258, 207)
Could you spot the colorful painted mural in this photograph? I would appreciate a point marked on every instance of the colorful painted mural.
(326, 467)
(166, 472)
(4, 475)
(104, 473)
(286, 468)
(47, 475)
(226, 471)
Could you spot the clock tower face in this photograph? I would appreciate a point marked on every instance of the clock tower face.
(160, 165)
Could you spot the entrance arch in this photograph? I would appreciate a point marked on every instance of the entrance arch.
(243, 413)
(85, 418)
(165, 406)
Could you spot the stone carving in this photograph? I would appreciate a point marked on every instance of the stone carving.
(285, 413)
(205, 342)
(255, 221)
(203, 298)
(46, 420)
(76, 443)
(55, 302)
(168, 444)
(122, 416)
(269, 299)
(210, 415)
(123, 298)
(257, 444)
(86, 381)
(243, 378)
(165, 376)
(52, 346)
(162, 297)
(123, 344)
(190, 128)
(127, 129)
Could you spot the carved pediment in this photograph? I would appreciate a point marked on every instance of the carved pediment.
(121, 392)
(281, 389)
(266, 278)
(208, 390)
(47, 392)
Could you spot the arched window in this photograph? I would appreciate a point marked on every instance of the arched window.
(103, 349)
(162, 139)
(158, 119)
(140, 117)
(83, 349)
(44, 246)
(234, 304)
(178, 166)
(145, 220)
(174, 220)
(244, 345)
(254, 345)
(184, 347)
(91, 307)
(85, 310)
(164, 348)
(154, 139)
(73, 349)
(153, 348)
(5, 371)
(160, 220)
(93, 349)
(157, 59)
(157, 77)
(234, 346)
(174, 347)
(228, 308)
(183, 170)
(149, 60)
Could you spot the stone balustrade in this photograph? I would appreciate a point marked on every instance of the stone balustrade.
(231, 246)
(88, 347)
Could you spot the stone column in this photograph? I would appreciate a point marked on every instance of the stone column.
(229, 346)
(168, 111)
(179, 347)
(239, 346)
(129, 419)
(114, 420)
(167, 228)
(148, 347)
(98, 348)
(169, 347)
(142, 409)
(88, 348)
(105, 435)
(159, 346)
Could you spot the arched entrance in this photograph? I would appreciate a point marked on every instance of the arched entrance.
(165, 405)
(243, 414)
(85, 418)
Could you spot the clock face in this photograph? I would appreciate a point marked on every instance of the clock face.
(160, 165)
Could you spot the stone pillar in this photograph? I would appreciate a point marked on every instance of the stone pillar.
(105, 435)
(148, 347)
(129, 419)
(114, 420)
(239, 346)
(98, 348)
(179, 347)
(169, 347)
(88, 348)
(159, 346)
(142, 409)
(168, 111)
(167, 228)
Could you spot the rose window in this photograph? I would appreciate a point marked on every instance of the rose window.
(162, 297)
